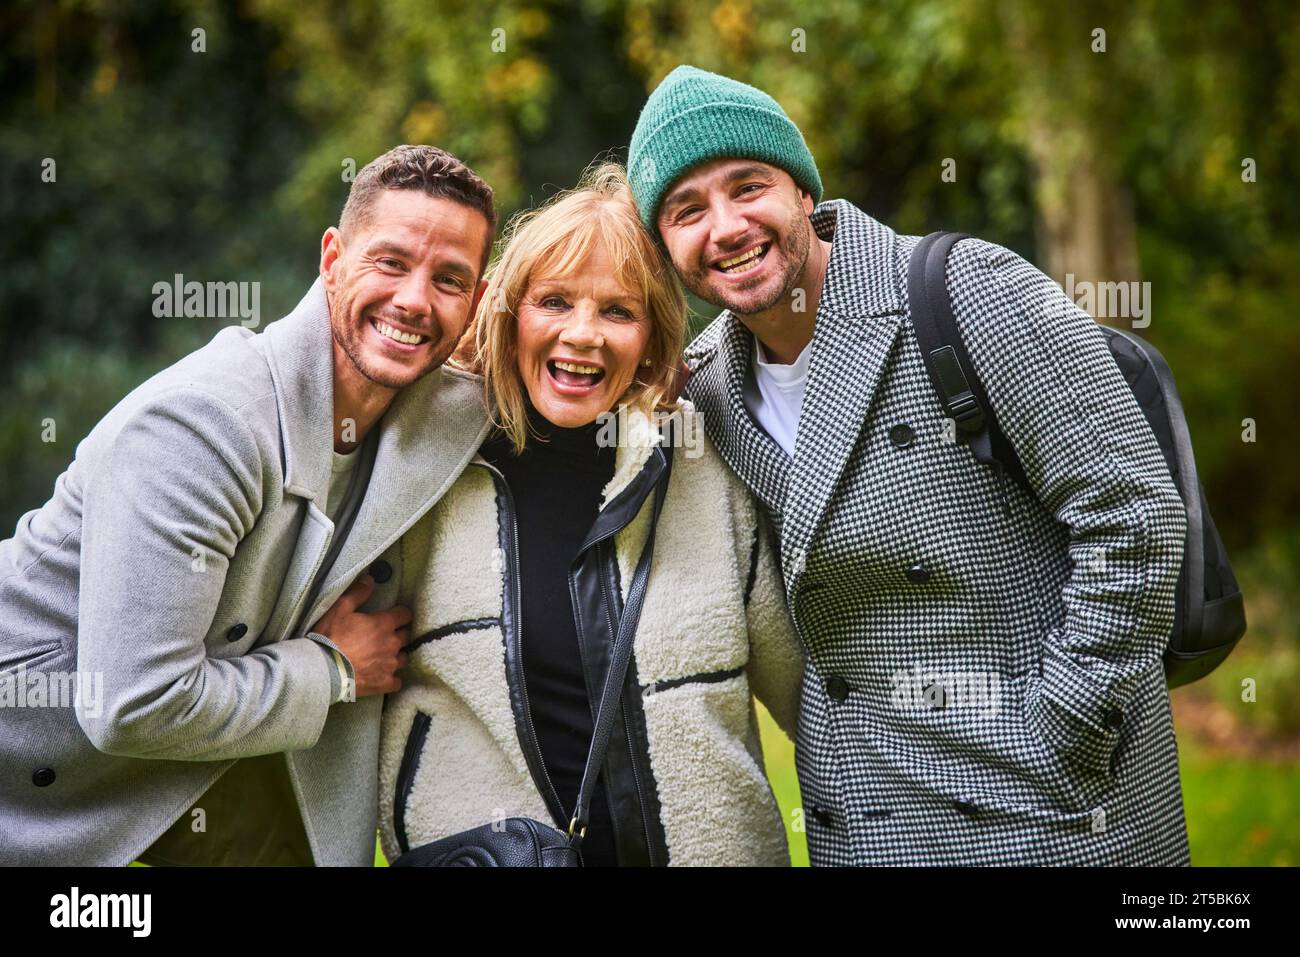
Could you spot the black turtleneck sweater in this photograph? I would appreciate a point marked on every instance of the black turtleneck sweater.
(556, 487)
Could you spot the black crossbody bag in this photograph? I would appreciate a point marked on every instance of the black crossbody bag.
(522, 841)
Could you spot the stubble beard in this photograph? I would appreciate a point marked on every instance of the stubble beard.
(794, 249)
(350, 339)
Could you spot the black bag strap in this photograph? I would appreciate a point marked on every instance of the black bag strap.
(620, 658)
(951, 371)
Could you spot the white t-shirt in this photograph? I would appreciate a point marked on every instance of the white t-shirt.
(778, 398)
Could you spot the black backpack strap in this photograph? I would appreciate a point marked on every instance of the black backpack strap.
(951, 371)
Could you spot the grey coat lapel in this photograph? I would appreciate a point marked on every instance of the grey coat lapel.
(299, 353)
(858, 320)
(426, 439)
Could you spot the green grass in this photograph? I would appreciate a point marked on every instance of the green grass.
(778, 754)
(1240, 811)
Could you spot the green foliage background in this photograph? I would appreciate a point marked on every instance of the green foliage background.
(226, 165)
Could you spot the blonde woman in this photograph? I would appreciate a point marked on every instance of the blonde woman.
(517, 579)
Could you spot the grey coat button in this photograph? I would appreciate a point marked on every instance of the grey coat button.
(236, 632)
(901, 435)
(918, 574)
(837, 687)
(381, 571)
(43, 777)
(965, 807)
(822, 816)
(1114, 719)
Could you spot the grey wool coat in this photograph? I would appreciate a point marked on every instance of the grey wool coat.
(174, 565)
(985, 682)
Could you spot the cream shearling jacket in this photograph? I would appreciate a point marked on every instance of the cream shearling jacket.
(685, 775)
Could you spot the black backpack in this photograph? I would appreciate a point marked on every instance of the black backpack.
(1210, 617)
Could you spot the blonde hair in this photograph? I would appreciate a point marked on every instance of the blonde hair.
(553, 241)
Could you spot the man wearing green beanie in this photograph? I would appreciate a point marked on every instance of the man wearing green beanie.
(984, 680)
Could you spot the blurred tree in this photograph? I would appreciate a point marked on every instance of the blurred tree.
(226, 164)
(1114, 166)
(164, 159)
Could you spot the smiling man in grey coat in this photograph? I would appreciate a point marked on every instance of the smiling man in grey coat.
(186, 672)
(909, 574)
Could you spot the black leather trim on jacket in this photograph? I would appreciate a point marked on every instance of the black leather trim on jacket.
(587, 595)
(616, 516)
(594, 581)
(632, 726)
(406, 774)
(711, 677)
(455, 628)
(510, 634)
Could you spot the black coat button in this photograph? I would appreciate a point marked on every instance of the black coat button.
(381, 571)
(837, 687)
(966, 808)
(918, 574)
(821, 816)
(1114, 719)
(236, 632)
(901, 435)
(43, 777)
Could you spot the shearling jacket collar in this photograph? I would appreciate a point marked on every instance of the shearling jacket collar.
(639, 461)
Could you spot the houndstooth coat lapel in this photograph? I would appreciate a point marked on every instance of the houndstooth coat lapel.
(858, 319)
(717, 388)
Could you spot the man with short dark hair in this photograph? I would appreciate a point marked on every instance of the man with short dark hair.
(210, 561)
(985, 682)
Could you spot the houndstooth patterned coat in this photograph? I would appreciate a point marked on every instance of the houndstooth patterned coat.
(984, 682)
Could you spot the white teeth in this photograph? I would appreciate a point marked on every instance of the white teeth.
(574, 367)
(408, 337)
(752, 254)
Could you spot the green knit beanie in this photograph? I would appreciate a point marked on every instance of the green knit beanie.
(693, 117)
